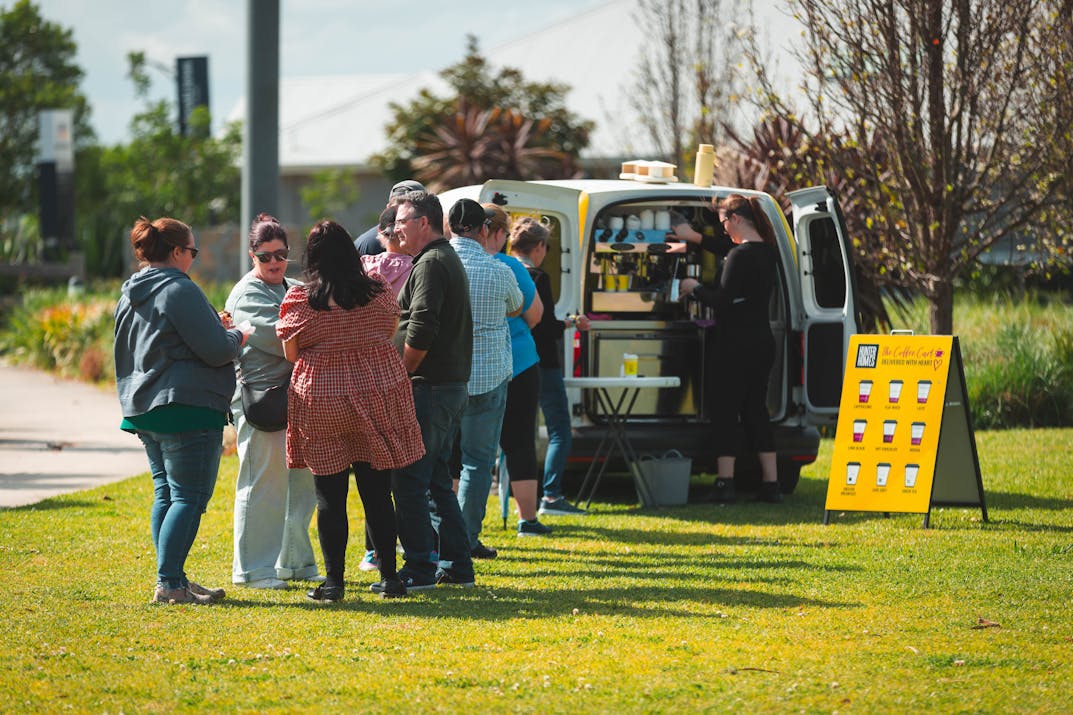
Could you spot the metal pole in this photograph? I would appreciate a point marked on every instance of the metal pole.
(260, 132)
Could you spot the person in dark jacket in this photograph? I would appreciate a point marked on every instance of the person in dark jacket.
(745, 347)
(435, 339)
(175, 377)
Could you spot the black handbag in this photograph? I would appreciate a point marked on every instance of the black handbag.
(265, 410)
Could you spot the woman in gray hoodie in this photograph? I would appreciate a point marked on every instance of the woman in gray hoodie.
(175, 378)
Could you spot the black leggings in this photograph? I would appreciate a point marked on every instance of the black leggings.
(740, 391)
(518, 438)
(374, 488)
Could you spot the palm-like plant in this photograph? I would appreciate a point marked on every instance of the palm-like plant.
(473, 145)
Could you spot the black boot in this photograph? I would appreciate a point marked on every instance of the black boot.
(723, 491)
(770, 492)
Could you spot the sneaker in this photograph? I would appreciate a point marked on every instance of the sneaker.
(325, 593)
(443, 578)
(723, 491)
(533, 528)
(216, 594)
(390, 588)
(410, 582)
(770, 492)
(265, 583)
(369, 562)
(315, 579)
(480, 551)
(559, 507)
(162, 594)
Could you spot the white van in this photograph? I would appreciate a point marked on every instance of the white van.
(608, 258)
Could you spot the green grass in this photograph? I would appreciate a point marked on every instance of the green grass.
(749, 608)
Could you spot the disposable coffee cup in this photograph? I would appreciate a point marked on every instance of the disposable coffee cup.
(864, 390)
(917, 433)
(888, 430)
(629, 365)
(852, 470)
(858, 429)
(882, 472)
(895, 392)
(610, 283)
(911, 475)
(923, 389)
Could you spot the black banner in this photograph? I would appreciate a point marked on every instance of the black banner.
(192, 74)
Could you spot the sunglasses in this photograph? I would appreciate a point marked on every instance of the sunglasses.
(266, 256)
(193, 251)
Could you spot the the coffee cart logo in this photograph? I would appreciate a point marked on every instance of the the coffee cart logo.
(867, 355)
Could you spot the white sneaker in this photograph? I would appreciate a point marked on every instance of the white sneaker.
(265, 583)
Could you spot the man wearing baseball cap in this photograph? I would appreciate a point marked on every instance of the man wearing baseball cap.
(368, 244)
(493, 295)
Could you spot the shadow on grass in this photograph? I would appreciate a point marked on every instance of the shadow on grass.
(508, 603)
(56, 503)
(1017, 500)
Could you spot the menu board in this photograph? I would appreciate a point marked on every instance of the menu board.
(904, 438)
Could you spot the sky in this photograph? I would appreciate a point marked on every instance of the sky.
(317, 38)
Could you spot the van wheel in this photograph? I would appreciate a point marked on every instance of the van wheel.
(789, 476)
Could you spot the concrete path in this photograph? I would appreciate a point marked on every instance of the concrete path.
(59, 436)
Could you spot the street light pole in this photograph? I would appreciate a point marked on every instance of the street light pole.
(260, 132)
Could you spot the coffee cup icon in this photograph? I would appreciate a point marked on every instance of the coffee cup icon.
(888, 430)
(917, 433)
(911, 475)
(852, 470)
(923, 389)
(864, 390)
(858, 429)
(895, 390)
(882, 472)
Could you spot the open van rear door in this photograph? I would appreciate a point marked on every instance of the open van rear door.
(825, 265)
(560, 208)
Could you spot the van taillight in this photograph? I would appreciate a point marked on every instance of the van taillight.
(577, 353)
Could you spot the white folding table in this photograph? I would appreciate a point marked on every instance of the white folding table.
(617, 412)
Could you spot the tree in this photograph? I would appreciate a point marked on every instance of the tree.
(194, 178)
(37, 71)
(933, 97)
(687, 75)
(329, 192)
(497, 124)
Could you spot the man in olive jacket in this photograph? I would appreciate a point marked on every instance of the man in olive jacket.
(435, 339)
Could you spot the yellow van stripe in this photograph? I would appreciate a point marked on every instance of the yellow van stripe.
(582, 215)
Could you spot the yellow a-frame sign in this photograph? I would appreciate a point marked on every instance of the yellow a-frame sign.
(904, 440)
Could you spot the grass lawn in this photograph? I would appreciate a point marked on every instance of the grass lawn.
(747, 608)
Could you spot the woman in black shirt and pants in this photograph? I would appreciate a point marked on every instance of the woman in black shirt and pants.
(745, 347)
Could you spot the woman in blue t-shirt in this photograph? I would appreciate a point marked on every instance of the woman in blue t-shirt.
(518, 437)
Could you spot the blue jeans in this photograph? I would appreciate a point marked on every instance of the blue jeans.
(184, 467)
(556, 409)
(439, 412)
(482, 420)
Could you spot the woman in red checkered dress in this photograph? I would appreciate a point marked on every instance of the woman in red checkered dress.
(350, 404)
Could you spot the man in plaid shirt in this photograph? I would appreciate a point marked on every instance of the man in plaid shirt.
(493, 295)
